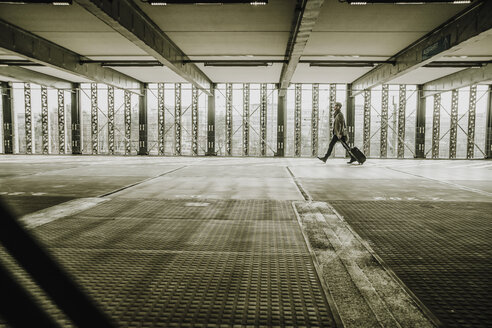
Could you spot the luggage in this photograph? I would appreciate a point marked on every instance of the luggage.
(355, 152)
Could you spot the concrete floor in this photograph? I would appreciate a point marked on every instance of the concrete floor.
(34, 185)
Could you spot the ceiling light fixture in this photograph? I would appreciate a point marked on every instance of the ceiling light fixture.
(204, 2)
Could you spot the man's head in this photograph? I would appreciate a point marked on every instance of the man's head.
(338, 106)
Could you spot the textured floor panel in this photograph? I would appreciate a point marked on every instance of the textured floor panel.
(192, 263)
(22, 205)
(440, 250)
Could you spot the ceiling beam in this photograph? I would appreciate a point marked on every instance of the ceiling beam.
(458, 80)
(125, 17)
(469, 26)
(26, 75)
(22, 43)
(308, 14)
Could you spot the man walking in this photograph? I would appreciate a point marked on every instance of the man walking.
(339, 133)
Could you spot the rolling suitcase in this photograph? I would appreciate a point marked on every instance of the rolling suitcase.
(355, 152)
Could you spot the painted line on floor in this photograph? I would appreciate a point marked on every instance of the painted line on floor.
(140, 182)
(478, 191)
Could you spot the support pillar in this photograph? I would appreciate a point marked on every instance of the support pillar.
(488, 131)
(211, 125)
(436, 125)
(111, 119)
(350, 115)
(315, 121)
(142, 121)
(246, 98)
(228, 120)
(7, 118)
(471, 122)
(263, 118)
(177, 119)
(28, 116)
(94, 120)
(401, 120)
(128, 122)
(420, 124)
(281, 115)
(367, 122)
(45, 121)
(194, 120)
(333, 100)
(61, 121)
(384, 122)
(75, 118)
(453, 131)
(297, 120)
(160, 119)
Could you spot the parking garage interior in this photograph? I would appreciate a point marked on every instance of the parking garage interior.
(159, 163)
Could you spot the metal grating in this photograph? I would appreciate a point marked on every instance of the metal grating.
(45, 121)
(315, 121)
(61, 121)
(193, 263)
(440, 250)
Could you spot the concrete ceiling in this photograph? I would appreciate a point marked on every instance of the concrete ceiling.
(244, 32)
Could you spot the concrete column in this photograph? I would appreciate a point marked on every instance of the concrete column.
(420, 124)
(211, 125)
(7, 117)
(75, 117)
(142, 121)
(281, 115)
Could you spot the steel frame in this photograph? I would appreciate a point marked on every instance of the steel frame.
(194, 120)
(45, 120)
(470, 148)
(367, 122)
(128, 122)
(161, 122)
(28, 116)
(315, 121)
(94, 120)
(228, 120)
(384, 122)
(61, 121)
(111, 120)
(211, 124)
(333, 100)
(263, 118)
(246, 104)
(402, 104)
(436, 125)
(297, 120)
(488, 132)
(177, 119)
(350, 116)
(453, 131)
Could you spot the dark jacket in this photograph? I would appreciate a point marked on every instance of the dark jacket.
(339, 127)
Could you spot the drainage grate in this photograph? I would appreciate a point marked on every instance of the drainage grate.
(165, 264)
(440, 250)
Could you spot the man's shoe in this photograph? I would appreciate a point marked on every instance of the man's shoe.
(351, 161)
(323, 159)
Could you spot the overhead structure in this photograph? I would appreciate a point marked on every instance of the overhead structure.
(458, 80)
(470, 26)
(27, 75)
(125, 17)
(308, 13)
(22, 43)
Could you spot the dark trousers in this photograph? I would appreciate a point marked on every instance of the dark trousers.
(332, 144)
